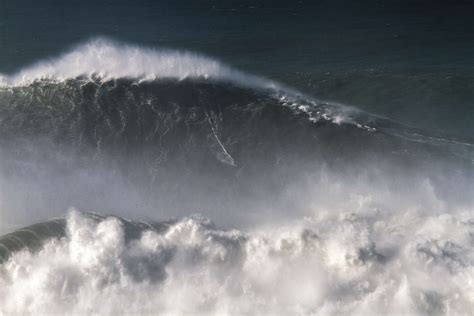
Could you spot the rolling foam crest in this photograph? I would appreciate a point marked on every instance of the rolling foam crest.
(330, 264)
(108, 59)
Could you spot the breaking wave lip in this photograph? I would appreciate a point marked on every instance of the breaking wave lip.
(108, 59)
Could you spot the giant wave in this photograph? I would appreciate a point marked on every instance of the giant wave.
(328, 209)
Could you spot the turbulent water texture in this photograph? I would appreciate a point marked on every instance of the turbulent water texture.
(369, 263)
(319, 207)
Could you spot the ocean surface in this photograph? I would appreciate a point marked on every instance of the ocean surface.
(237, 157)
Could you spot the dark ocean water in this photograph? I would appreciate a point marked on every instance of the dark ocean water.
(237, 157)
(409, 60)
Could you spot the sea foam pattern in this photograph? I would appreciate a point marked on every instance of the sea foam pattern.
(328, 264)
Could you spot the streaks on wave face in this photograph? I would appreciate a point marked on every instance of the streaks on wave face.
(192, 120)
(201, 145)
(160, 124)
(194, 125)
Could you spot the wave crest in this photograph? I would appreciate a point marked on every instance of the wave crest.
(108, 59)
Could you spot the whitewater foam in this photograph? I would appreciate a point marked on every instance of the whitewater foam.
(328, 264)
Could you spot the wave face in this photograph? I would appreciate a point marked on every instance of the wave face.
(335, 210)
(160, 140)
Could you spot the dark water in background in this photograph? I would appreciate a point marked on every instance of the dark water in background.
(409, 60)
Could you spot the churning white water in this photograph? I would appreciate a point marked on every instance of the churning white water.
(363, 262)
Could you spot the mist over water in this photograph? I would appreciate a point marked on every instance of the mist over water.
(220, 192)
